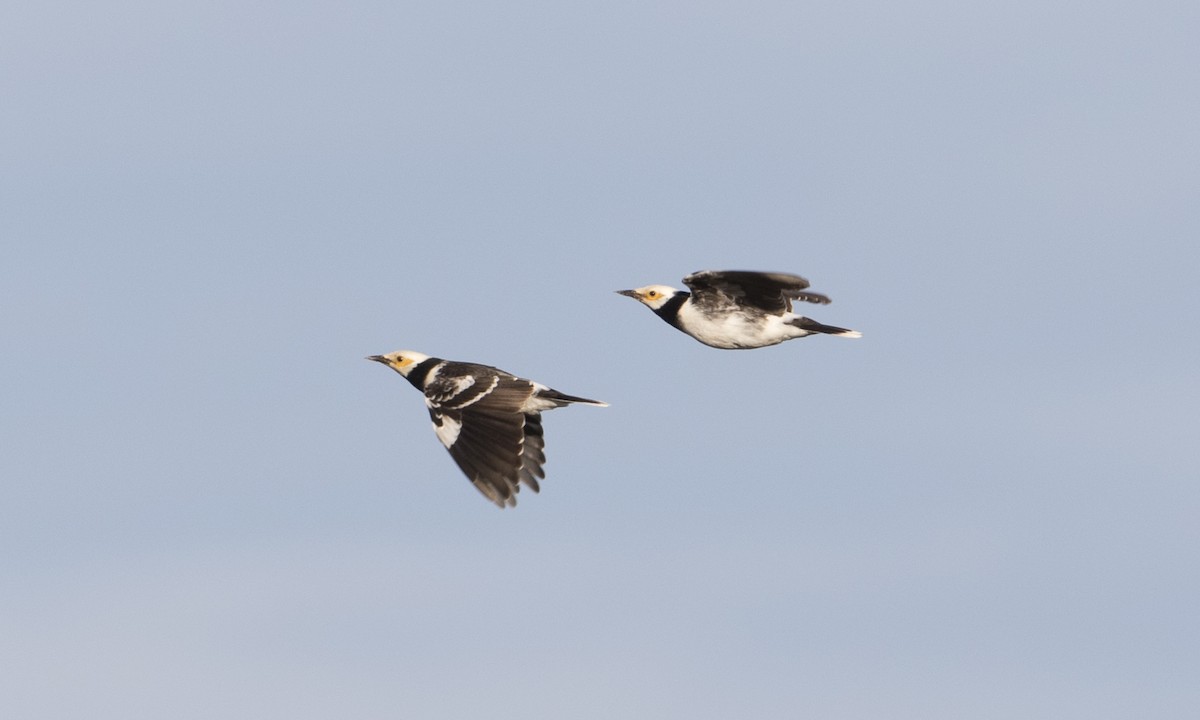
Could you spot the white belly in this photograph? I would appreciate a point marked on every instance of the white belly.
(734, 331)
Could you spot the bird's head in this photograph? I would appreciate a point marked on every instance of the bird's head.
(402, 361)
(652, 296)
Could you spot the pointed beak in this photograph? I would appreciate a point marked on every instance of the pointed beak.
(629, 293)
(378, 358)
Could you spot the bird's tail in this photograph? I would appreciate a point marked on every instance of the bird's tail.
(815, 327)
(564, 399)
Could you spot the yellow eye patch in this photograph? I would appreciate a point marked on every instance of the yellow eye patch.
(400, 361)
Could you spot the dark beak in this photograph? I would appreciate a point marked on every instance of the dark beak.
(378, 358)
(629, 293)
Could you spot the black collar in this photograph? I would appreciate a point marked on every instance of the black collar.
(418, 374)
(670, 310)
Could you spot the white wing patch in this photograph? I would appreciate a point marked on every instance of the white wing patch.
(448, 431)
(491, 386)
(445, 396)
(461, 384)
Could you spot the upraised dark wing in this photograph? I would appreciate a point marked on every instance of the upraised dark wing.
(476, 413)
(771, 292)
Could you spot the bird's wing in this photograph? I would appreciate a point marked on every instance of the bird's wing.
(533, 454)
(476, 413)
(772, 292)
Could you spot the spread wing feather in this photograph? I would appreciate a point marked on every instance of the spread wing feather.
(489, 451)
(498, 446)
(771, 292)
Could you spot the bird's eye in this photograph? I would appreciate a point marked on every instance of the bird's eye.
(652, 293)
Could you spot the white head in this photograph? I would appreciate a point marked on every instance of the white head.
(652, 296)
(402, 361)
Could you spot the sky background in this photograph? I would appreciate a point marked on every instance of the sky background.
(212, 507)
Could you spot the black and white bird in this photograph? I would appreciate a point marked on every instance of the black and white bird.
(737, 309)
(489, 420)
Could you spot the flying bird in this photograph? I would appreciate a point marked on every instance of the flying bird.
(489, 420)
(737, 309)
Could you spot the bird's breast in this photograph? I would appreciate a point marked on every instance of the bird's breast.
(734, 329)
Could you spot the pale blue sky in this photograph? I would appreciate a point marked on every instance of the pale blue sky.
(212, 506)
